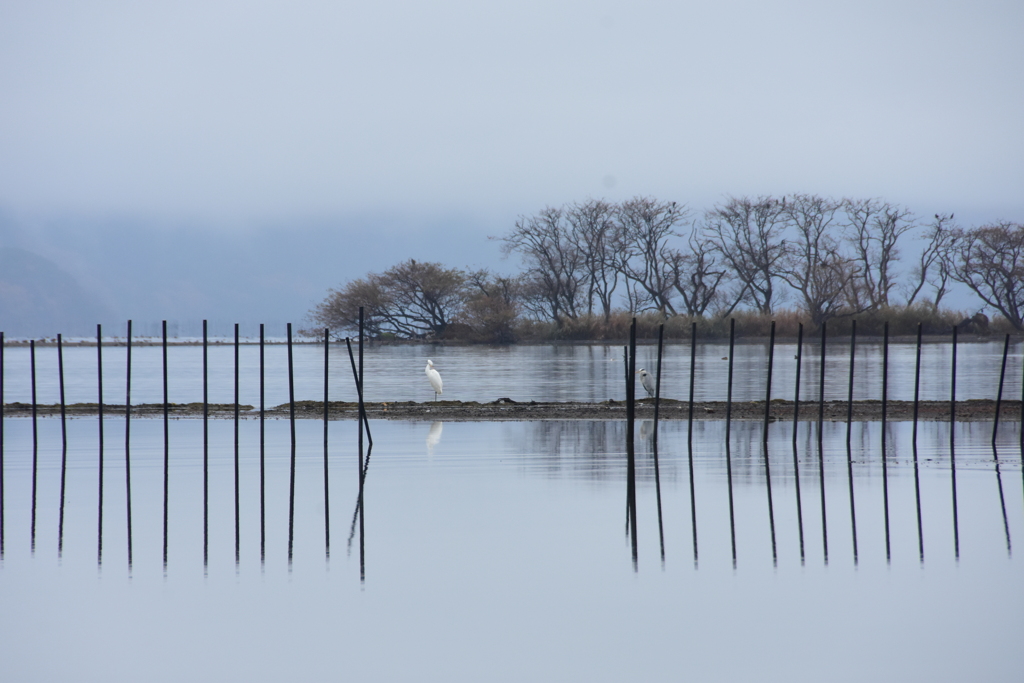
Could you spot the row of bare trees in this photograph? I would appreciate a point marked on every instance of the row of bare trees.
(829, 257)
(835, 257)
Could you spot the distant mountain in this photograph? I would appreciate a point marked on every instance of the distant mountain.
(38, 299)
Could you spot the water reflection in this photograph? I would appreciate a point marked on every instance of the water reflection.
(687, 483)
(434, 437)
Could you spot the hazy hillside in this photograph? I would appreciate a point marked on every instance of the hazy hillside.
(39, 299)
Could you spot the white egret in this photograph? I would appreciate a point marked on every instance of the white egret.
(647, 381)
(435, 379)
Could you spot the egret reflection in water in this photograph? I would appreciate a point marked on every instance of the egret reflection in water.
(434, 436)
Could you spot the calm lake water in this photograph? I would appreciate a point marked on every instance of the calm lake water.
(497, 551)
(522, 373)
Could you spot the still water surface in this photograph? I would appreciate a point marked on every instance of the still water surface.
(522, 373)
(496, 551)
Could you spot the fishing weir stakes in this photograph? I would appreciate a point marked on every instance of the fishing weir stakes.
(768, 411)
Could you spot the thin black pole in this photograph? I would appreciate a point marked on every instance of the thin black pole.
(821, 450)
(127, 440)
(206, 451)
(728, 451)
(764, 443)
(796, 389)
(63, 443)
(630, 432)
(796, 457)
(952, 449)
(689, 436)
(35, 438)
(849, 393)
(917, 492)
(768, 388)
(999, 395)
(291, 417)
(359, 393)
(327, 490)
(849, 448)
(238, 525)
(917, 382)
(362, 470)
(167, 440)
(821, 387)
(657, 471)
(885, 456)
(263, 474)
(99, 375)
(2, 505)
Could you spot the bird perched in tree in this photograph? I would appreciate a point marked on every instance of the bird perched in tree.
(647, 381)
(435, 378)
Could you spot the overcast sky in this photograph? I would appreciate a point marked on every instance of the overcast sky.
(247, 111)
(408, 129)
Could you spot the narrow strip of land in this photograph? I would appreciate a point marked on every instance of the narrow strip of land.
(979, 410)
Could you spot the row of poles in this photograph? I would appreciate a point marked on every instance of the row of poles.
(357, 370)
(363, 458)
(630, 375)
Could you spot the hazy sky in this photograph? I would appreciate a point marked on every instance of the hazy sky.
(247, 111)
(391, 130)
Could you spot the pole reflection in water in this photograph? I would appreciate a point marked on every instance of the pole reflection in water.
(799, 505)
(588, 453)
(1002, 500)
(917, 496)
(821, 485)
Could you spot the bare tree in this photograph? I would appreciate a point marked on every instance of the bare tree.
(555, 276)
(492, 306)
(813, 264)
(645, 227)
(990, 260)
(592, 232)
(935, 265)
(412, 299)
(874, 228)
(698, 276)
(747, 233)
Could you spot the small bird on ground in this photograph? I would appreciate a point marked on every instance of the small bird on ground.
(647, 381)
(435, 379)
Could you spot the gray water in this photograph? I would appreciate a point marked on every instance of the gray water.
(522, 373)
(496, 551)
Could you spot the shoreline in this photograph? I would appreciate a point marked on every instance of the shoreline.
(115, 342)
(781, 410)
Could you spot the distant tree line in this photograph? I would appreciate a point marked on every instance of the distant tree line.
(584, 263)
